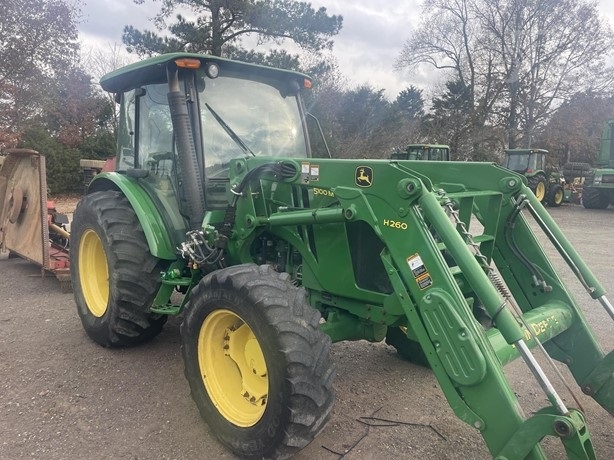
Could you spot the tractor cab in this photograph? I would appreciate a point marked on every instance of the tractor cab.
(525, 161)
(184, 117)
(242, 110)
(423, 152)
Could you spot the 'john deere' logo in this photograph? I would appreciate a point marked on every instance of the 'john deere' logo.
(364, 176)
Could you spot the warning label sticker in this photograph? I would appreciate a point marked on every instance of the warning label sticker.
(416, 265)
(314, 172)
(419, 271)
(424, 281)
(305, 173)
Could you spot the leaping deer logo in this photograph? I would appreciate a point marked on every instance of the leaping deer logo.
(364, 176)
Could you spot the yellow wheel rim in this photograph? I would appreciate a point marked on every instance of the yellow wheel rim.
(540, 191)
(558, 197)
(93, 273)
(233, 368)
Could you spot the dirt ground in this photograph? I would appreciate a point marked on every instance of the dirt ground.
(64, 397)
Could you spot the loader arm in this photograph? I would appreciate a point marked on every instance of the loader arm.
(423, 246)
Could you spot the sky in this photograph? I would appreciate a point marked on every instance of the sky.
(370, 41)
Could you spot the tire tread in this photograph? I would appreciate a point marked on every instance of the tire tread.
(305, 348)
(592, 198)
(134, 271)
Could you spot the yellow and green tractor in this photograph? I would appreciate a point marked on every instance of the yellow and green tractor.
(546, 182)
(219, 212)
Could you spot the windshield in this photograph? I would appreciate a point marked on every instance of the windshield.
(427, 153)
(517, 162)
(414, 153)
(438, 154)
(243, 117)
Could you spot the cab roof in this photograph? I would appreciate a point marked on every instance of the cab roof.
(153, 70)
(524, 151)
(428, 146)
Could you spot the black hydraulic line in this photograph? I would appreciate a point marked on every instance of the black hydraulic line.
(279, 170)
(570, 262)
(513, 245)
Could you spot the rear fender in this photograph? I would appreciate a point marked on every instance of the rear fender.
(151, 221)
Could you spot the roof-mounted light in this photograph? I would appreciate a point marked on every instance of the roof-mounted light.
(307, 83)
(212, 70)
(188, 63)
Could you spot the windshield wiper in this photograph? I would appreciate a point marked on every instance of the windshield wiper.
(234, 136)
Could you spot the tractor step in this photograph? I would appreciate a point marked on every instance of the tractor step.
(172, 310)
(171, 279)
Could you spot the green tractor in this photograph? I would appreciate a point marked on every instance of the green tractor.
(217, 211)
(598, 190)
(547, 185)
(429, 152)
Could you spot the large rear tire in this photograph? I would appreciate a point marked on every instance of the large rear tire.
(113, 274)
(537, 184)
(592, 198)
(573, 169)
(257, 362)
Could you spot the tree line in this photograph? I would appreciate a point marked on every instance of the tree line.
(513, 73)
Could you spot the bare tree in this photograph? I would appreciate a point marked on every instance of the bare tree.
(547, 51)
(100, 61)
(520, 59)
(450, 40)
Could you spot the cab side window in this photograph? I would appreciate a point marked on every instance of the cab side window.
(125, 138)
(155, 130)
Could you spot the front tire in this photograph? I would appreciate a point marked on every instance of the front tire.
(257, 362)
(113, 274)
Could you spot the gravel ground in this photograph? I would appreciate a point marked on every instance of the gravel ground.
(63, 397)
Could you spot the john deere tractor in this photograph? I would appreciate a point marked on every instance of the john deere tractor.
(598, 190)
(547, 185)
(217, 211)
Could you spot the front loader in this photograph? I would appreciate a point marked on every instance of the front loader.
(218, 212)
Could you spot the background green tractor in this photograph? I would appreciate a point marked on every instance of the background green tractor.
(598, 191)
(544, 182)
(431, 152)
(218, 211)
